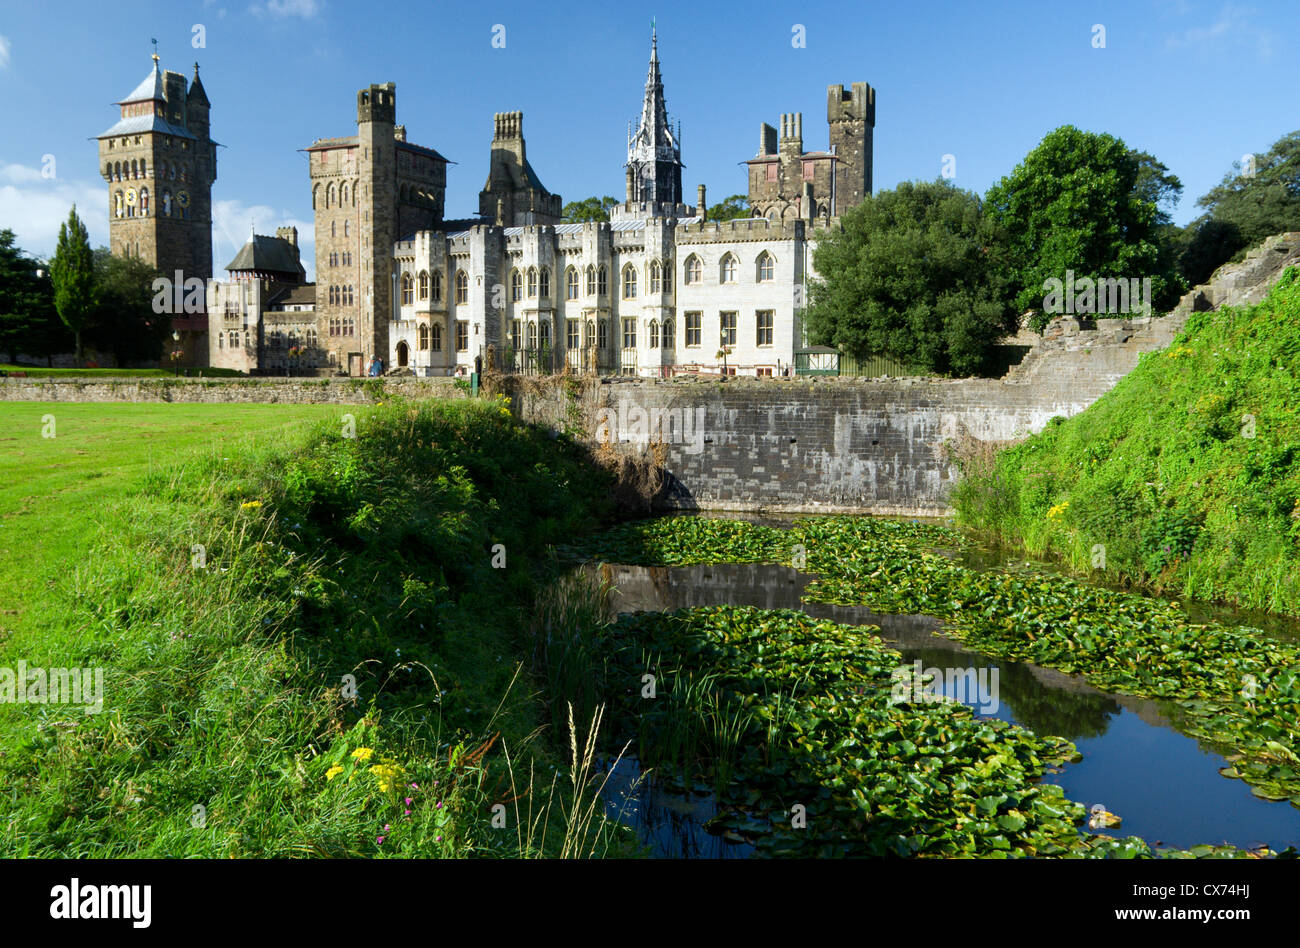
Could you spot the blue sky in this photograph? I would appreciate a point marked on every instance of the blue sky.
(1197, 84)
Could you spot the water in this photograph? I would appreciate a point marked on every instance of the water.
(1164, 784)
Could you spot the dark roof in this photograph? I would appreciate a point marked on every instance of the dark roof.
(323, 143)
(197, 93)
(421, 150)
(807, 155)
(267, 255)
(286, 295)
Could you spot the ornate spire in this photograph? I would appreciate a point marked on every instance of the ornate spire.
(654, 154)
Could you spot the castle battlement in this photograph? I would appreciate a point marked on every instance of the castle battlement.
(742, 229)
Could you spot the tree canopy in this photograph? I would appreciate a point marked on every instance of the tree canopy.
(916, 273)
(730, 208)
(73, 273)
(1249, 205)
(589, 209)
(1082, 202)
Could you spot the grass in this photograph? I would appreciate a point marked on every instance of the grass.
(34, 371)
(1184, 478)
(337, 673)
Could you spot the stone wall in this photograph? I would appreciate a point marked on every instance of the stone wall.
(264, 390)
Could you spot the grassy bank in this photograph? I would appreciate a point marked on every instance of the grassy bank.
(1185, 477)
(312, 644)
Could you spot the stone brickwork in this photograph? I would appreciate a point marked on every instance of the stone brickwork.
(225, 391)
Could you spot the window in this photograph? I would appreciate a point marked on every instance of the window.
(544, 333)
(693, 321)
(424, 286)
(462, 335)
(694, 271)
(424, 338)
(670, 342)
(532, 282)
(545, 283)
(591, 281)
(462, 287)
(654, 334)
(764, 373)
(435, 334)
(408, 289)
(571, 328)
(602, 281)
(570, 284)
(727, 272)
(516, 286)
(437, 287)
(763, 327)
(629, 282)
(516, 330)
(766, 267)
(602, 337)
(629, 333)
(728, 328)
(532, 335)
(655, 282)
(668, 277)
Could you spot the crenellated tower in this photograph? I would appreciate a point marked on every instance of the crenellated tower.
(852, 118)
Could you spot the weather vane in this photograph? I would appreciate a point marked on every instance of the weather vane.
(155, 48)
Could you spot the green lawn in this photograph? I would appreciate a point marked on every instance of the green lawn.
(56, 492)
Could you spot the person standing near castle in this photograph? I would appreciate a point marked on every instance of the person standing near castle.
(376, 367)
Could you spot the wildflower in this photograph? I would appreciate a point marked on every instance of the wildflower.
(250, 505)
(408, 799)
(333, 772)
(408, 812)
(379, 840)
(363, 753)
(386, 774)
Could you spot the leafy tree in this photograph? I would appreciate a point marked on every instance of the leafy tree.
(123, 320)
(916, 273)
(73, 273)
(737, 205)
(1085, 202)
(1246, 207)
(589, 209)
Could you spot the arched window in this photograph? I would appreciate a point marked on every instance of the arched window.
(591, 280)
(516, 286)
(532, 335)
(311, 338)
(591, 334)
(462, 287)
(694, 270)
(343, 195)
(424, 287)
(347, 228)
(424, 338)
(221, 341)
(435, 335)
(570, 284)
(333, 228)
(654, 334)
(329, 195)
(655, 282)
(135, 170)
(408, 289)
(544, 333)
(315, 197)
(532, 282)
(629, 282)
(437, 287)
(544, 283)
(602, 281)
(670, 341)
(766, 267)
(144, 167)
(727, 269)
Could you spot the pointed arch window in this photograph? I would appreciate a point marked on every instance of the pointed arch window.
(670, 339)
(424, 287)
(570, 284)
(629, 282)
(435, 337)
(424, 338)
(694, 270)
(727, 269)
(766, 267)
(532, 282)
(437, 287)
(655, 281)
(516, 286)
(544, 283)
(591, 280)
(408, 289)
(602, 281)
(654, 334)
(462, 287)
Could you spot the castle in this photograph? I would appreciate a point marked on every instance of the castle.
(655, 290)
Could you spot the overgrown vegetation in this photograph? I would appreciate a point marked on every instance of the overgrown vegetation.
(314, 647)
(1185, 477)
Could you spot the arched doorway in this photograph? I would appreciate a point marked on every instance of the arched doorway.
(403, 353)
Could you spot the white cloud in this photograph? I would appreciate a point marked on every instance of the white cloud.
(1235, 27)
(4, 52)
(34, 206)
(286, 8)
(230, 225)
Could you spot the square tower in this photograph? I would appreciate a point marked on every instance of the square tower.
(852, 118)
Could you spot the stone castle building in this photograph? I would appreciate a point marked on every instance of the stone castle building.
(657, 289)
(160, 162)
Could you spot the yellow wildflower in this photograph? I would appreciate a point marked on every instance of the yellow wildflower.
(250, 505)
(387, 775)
(363, 753)
(1055, 512)
(333, 772)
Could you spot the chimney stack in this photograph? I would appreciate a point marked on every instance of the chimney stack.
(701, 206)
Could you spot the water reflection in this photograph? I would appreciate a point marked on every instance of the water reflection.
(1164, 785)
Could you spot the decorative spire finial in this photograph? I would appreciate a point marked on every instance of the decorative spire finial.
(155, 52)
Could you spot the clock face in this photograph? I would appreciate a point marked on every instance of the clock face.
(130, 196)
(183, 198)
